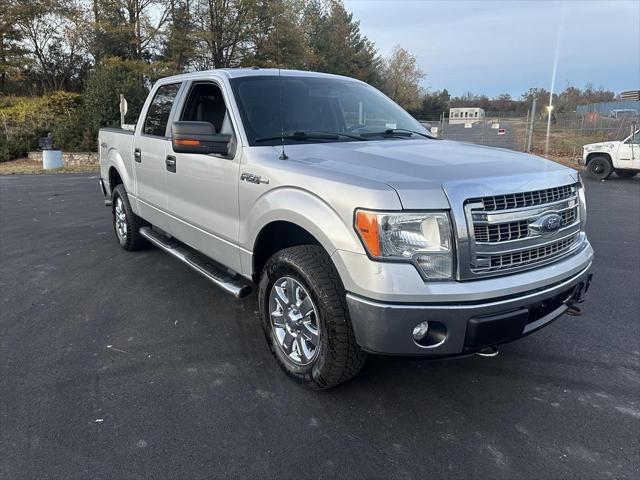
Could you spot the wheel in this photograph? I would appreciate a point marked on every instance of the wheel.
(305, 318)
(626, 173)
(599, 168)
(126, 224)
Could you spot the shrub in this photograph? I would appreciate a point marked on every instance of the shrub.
(73, 119)
(102, 95)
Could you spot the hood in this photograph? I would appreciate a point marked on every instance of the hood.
(600, 147)
(419, 170)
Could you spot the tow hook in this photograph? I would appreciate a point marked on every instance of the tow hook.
(490, 351)
(578, 297)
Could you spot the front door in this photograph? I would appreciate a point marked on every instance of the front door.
(628, 154)
(203, 189)
(149, 152)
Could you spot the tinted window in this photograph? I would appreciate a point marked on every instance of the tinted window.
(206, 104)
(159, 110)
(269, 105)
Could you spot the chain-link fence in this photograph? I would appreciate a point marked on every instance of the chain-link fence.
(494, 130)
(568, 132)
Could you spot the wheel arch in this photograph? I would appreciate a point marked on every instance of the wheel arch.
(276, 236)
(592, 155)
(117, 171)
(288, 217)
(115, 178)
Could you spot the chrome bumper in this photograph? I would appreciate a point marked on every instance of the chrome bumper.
(387, 328)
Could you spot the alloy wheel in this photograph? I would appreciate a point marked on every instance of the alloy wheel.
(120, 218)
(294, 321)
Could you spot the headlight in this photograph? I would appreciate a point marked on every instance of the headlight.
(423, 239)
(583, 202)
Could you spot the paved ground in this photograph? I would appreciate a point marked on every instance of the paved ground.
(128, 365)
(482, 134)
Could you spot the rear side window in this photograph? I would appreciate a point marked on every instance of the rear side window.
(158, 114)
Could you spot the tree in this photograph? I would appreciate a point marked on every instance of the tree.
(503, 103)
(401, 78)
(279, 38)
(11, 50)
(432, 105)
(107, 81)
(127, 28)
(178, 44)
(336, 44)
(223, 30)
(53, 38)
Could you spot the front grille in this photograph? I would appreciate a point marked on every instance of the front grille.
(569, 216)
(505, 232)
(501, 232)
(525, 199)
(502, 239)
(508, 261)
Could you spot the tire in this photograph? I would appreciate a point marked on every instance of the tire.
(599, 168)
(626, 173)
(126, 224)
(314, 282)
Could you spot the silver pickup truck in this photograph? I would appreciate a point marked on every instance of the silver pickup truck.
(361, 232)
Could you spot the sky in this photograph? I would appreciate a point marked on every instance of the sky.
(494, 47)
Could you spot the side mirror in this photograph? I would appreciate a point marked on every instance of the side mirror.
(198, 137)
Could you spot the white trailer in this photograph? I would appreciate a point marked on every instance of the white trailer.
(465, 115)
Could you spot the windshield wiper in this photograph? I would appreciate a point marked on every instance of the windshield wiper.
(300, 135)
(396, 132)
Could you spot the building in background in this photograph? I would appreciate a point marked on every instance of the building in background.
(631, 95)
(465, 115)
(612, 109)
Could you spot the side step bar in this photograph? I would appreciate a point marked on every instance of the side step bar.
(230, 283)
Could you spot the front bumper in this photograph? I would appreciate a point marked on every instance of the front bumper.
(461, 327)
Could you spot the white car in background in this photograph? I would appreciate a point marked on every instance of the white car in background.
(622, 157)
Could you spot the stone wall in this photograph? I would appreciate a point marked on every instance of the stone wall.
(70, 158)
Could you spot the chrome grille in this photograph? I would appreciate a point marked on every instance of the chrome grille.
(501, 232)
(505, 232)
(502, 238)
(525, 199)
(569, 216)
(526, 257)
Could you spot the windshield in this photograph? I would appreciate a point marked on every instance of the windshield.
(318, 110)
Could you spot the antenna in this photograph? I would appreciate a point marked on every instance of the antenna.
(283, 156)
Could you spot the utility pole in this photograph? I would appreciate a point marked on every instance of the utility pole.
(526, 131)
(533, 119)
(549, 113)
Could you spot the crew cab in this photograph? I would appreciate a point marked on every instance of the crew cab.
(359, 230)
(621, 157)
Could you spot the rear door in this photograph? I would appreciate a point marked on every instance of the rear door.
(149, 152)
(203, 189)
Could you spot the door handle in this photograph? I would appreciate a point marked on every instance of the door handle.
(137, 155)
(170, 162)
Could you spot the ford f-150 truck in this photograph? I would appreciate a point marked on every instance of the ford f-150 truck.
(360, 231)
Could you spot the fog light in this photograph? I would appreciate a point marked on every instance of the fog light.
(420, 330)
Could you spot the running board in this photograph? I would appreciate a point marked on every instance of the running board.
(227, 281)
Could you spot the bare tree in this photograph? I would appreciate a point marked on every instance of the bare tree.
(224, 30)
(52, 33)
(402, 77)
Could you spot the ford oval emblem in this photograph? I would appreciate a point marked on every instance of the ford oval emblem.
(547, 225)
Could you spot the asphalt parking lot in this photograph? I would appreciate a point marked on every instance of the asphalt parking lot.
(129, 365)
(482, 134)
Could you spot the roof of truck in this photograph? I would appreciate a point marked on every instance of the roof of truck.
(253, 72)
